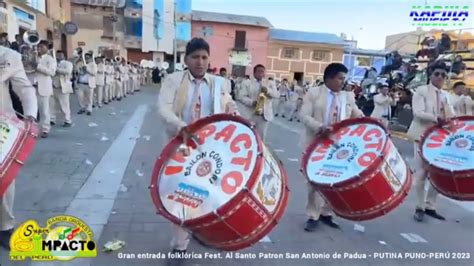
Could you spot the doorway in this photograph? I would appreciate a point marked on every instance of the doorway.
(238, 71)
(298, 76)
(64, 44)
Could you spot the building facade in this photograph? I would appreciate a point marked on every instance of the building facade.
(236, 42)
(100, 27)
(302, 55)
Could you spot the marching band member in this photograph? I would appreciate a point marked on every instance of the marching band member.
(383, 103)
(109, 81)
(458, 99)
(430, 106)
(189, 96)
(45, 70)
(62, 87)
(12, 71)
(119, 79)
(322, 107)
(124, 77)
(130, 78)
(284, 93)
(86, 85)
(136, 78)
(295, 100)
(257, 95)
(100, 80)
(469, 102)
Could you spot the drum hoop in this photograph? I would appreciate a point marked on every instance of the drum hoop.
(456, 196)
(366, 174)
(431, 167)
(175, 141)
(11, 157)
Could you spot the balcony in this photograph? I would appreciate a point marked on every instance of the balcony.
(241, 48)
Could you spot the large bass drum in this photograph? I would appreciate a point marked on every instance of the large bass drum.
(17, 140)
(357, 169)
(447, 152)
(230, 192)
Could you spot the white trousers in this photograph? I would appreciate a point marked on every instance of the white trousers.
(262, 126)
(316, 205)
(281, 108)
(99, 94)
(118, 89)
(85, 95)
(60, 103)
(45, 113)
(180, 239)
(7, 220)
(424, 199)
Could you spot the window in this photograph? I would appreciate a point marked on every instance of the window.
(107, 27)
(207, 31)
(240, 39)
(49, 35)
(321, 55)
(291, 53)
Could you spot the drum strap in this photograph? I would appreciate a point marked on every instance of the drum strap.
(218, 83)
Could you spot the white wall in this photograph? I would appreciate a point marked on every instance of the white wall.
(166, 43)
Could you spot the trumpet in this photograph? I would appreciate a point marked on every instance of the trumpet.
(260, 101)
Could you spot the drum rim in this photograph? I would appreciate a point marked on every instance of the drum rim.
(432, 167)
(177, 140)
(26, 129)
(367, 172)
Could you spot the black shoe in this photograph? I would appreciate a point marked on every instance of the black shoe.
(52, 123)
(5, 238)
(119, 99)
(178, 252)
(283, 116)
(81, 112)
(106, 102)
(419, 214)
(291, 119)
(66, 124)
(93, 106)
(89, 113)
(434, 214)
(276, 115)
(327, 220)
(298, 120)
(44, 135)
(311, 225)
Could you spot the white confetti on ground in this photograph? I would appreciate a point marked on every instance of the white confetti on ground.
(79, 144)
(123, 188)
(147, 138)
(139, 173)
(382, 243)
(104, 138)
(112, 171)
(92, 124)
(113, 113)
(292, 159)
(279, 150)
(88, 162)
(358, 227)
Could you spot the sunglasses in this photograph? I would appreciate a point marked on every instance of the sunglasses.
(442, 74)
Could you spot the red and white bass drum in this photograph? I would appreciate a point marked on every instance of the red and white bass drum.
(357, 169)
(448, 155)
(17, 140)
(229, 192)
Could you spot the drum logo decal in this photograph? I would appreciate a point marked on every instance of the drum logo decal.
(461, 143)
(342, 154)
(269, 185)
(204, 168)
(188, 195)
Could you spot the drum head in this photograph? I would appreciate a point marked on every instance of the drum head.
(219, 167)
(9, 135)
(450, 148)
(352, 148)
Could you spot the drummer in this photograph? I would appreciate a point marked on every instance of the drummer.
(187, 98)
(430, 106)
(321, 109)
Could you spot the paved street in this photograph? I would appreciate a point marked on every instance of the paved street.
(100, 170)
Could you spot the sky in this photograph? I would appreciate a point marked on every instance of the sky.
(367, 21)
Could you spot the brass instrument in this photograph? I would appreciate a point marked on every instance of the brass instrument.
(260, 101)
(29, 58)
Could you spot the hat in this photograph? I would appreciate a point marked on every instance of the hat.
(399, 85)
(383, 84)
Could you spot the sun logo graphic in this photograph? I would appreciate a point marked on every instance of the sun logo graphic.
(64, 238)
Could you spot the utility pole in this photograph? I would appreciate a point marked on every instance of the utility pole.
(175, 45)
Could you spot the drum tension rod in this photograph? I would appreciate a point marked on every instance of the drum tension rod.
(18, 161)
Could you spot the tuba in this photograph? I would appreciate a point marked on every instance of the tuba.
(260, 101)
(29, 58)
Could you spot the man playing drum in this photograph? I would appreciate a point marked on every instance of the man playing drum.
(12, 71)
(430, 106)
(323, 106)
(187, 96)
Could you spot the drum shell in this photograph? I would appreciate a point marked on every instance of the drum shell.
(368, 195)
(240, 222)
(458, 185)
(20, 151)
